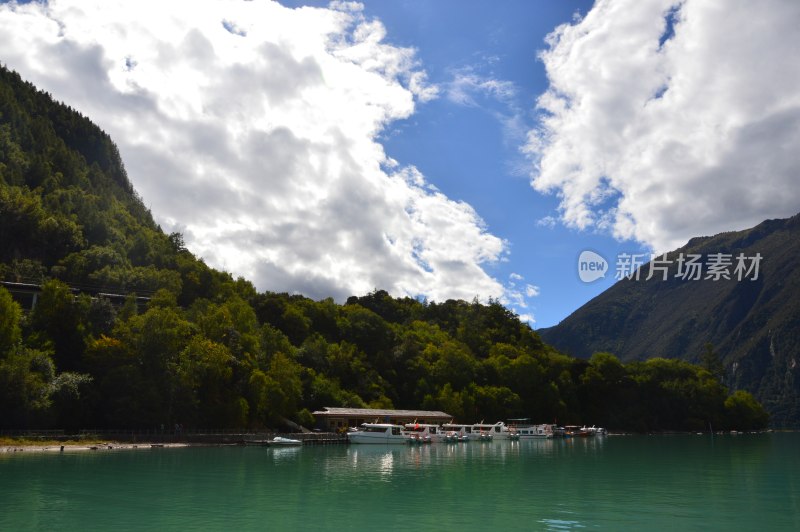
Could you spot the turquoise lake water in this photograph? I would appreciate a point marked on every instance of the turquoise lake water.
(688, 482)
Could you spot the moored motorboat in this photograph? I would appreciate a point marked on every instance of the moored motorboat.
(574, 431)
(450, 437)
(594, 431)
(423, 433)
(457, 432)
(377, 433)
(536, 431)
(280, 440)
(485, 436)
(497, 430)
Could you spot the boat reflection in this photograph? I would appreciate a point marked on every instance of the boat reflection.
(282, 454)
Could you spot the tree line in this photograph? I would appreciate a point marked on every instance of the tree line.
(251, 360)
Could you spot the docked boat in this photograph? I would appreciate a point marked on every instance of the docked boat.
(595, 431)
(574, 431)
(455, 432)
(527, 430)
(485, 436)
(536, 431)
(377, 433)
(423, 433)
(487, 432)
(450, 437)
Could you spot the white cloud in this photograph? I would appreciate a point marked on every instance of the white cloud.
(467, 84)
(470, 87)
(252, 128)
(516, 297)
(548, 221)
(659, 136)
(527, 318)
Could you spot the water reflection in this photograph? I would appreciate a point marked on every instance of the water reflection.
(561, 524)
(385, 459)
(283, 454)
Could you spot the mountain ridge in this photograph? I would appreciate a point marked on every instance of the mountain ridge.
(753, 324)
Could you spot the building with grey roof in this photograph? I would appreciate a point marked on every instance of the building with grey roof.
(338, 419)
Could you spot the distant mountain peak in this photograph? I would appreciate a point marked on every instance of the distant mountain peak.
(753, 323)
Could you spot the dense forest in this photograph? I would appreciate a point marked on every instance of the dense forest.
(203, 349)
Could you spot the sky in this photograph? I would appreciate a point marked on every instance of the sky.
(447, 149)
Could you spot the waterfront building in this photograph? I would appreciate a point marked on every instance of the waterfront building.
(338, 419)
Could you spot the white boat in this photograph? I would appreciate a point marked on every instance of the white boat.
(279, 440)
(595, 431)
(527, 432)
(487, 432)
(574, 431)
(450, 437)
(457, 432)
(377, 433)
(423, 433)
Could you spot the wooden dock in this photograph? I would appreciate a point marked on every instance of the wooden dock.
(308, 438)
(322, 438)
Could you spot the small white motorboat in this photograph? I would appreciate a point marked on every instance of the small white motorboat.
(280, 440)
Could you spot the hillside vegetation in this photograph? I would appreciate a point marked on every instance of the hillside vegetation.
(210, 351)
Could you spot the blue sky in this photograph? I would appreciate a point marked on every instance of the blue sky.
(470, 154)
(439, 149)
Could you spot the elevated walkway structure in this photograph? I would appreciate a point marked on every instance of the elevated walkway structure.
(27, 294)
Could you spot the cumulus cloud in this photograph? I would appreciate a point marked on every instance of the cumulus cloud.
(252, 128)
(666, 120)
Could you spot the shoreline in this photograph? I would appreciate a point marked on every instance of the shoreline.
(81, 447)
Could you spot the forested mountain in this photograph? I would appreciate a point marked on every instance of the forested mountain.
(207, 350)
(752, 325)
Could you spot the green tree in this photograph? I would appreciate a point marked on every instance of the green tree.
(206, 392)
(744, 412)
(59, 320)
(452, 363)
(601, 385)
(278, 390)
(25, 386)
(10, 313)
(712, 362)
(152, 343)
